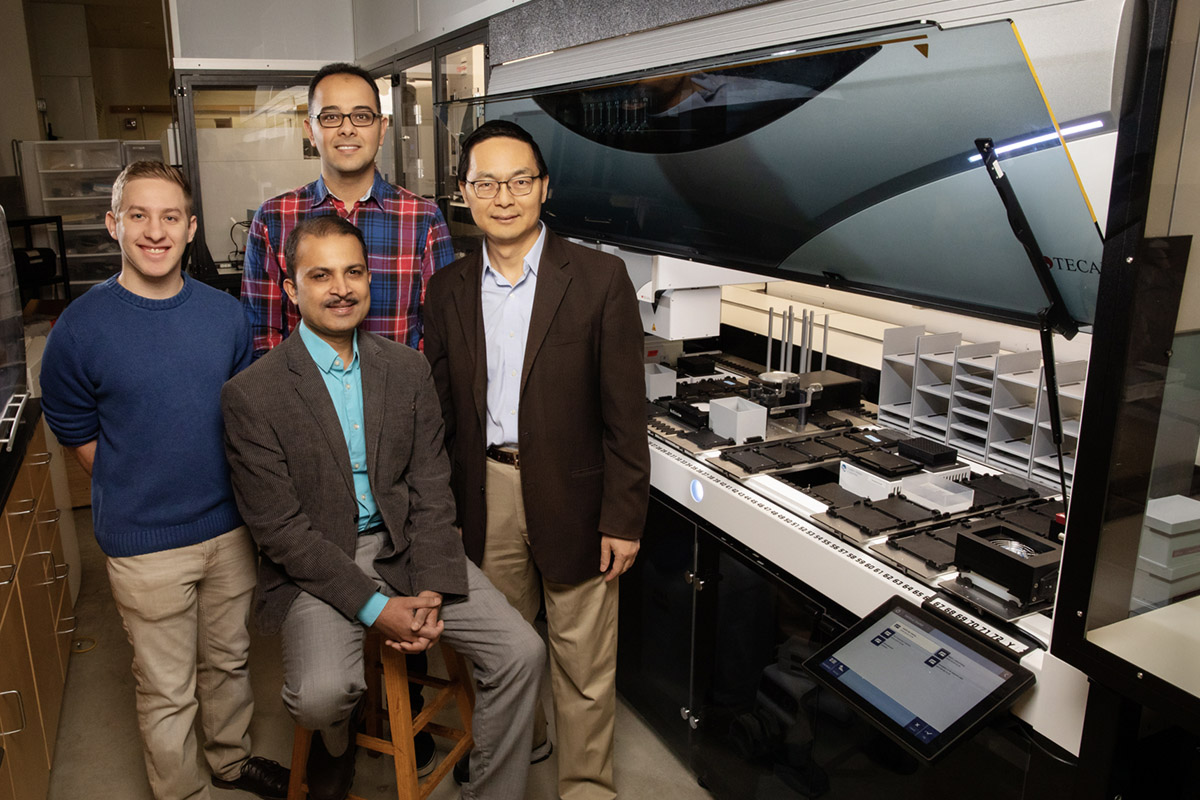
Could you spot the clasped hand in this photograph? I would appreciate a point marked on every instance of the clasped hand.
(411, 624)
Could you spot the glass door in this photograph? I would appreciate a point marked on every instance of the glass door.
(462, 77)
(415, 130)
(386, 160)
(243, 142)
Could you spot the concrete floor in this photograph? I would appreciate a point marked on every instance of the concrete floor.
(99, 752)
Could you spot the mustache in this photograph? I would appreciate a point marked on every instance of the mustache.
(348, 300)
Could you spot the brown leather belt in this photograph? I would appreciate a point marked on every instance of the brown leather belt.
(504, 455)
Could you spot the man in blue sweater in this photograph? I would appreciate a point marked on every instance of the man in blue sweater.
(131, 382)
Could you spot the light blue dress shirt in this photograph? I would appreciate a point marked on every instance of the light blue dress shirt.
(506, 311)
(344, 384)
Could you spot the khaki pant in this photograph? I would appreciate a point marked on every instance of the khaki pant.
(582, 625)
(185, 611)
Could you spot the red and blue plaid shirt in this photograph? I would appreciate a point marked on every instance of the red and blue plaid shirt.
(407, 240)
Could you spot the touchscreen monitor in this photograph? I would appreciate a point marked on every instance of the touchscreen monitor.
(922, 681)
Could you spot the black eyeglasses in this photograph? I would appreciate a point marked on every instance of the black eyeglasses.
(517, 187)
(333, 119)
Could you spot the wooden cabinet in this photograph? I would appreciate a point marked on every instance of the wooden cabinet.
(6, 785)
(35, 615)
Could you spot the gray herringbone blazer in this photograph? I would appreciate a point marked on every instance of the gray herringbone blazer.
(292, 478)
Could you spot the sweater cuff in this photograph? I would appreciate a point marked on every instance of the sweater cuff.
(373, 608)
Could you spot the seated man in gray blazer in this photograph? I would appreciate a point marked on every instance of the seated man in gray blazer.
(335, 443)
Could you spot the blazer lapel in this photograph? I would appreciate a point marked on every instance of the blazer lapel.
(552, 283)
(374, 388)
(309, 385)
(468, 299)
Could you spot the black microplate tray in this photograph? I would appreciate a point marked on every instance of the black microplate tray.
(785, 455)
(828, 422)
(935, 548)
(1000, 489)
(706, 439)
(903, 510)
(934, 454)
(845, 444)
(831, 494)
(749, 460)
(865, 517)
(887, 464)
(814, 450)
(1036, 518)
(877, 438)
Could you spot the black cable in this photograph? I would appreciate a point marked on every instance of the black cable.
(236, 251)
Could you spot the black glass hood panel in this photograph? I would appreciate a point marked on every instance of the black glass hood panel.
(850, 161)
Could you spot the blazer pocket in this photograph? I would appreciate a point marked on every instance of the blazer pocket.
(566, 338)
(587, 472)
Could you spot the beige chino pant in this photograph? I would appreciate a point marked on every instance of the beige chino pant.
(582, 625)
(185, 611)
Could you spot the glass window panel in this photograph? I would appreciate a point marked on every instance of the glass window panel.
(415, 130)
(251, 146)
(462, 77)
(386, 160)
(1145, 599)
(846, 161)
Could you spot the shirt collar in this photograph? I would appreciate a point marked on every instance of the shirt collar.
(321, 352)
(379, 190)
(532, 260)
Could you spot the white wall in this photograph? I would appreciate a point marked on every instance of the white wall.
(19, 119)
(385, 28)
(261, 34)
(64, 68)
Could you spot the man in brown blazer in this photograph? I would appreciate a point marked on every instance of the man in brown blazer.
(335, 443)
(536, 350)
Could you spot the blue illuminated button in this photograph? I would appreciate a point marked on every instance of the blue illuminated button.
(697, 490)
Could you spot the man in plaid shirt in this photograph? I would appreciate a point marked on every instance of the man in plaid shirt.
(407, 239)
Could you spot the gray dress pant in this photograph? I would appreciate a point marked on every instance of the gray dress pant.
(323, 673)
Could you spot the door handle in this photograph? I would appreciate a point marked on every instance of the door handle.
(21, 706)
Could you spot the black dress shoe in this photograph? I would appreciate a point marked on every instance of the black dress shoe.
(425, 750)
(260, 776)
(329, 776)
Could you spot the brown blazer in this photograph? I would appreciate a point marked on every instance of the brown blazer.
(292, 479)
(585, 463)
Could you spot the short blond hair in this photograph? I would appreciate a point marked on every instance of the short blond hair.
(150, 169)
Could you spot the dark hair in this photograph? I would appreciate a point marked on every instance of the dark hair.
(322, 226)
(494, 129)
(150, 169)
(341, 68)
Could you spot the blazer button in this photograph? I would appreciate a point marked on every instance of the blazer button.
(483, 489)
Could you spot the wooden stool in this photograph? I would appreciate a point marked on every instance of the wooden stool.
(403, 725)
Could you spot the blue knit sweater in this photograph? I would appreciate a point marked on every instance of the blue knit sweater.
(143, 378)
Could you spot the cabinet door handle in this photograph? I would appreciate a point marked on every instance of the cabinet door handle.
(29, 510)
(12, 574)
(75, 624)
(693, 580)
(42, 459)
(54, 517)
(21, 706)
(66, 570)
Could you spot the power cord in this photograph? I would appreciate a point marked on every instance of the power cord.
(233, 255)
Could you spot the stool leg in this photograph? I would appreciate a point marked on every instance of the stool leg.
(395, 677)
(373, 672)
(301, 744)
